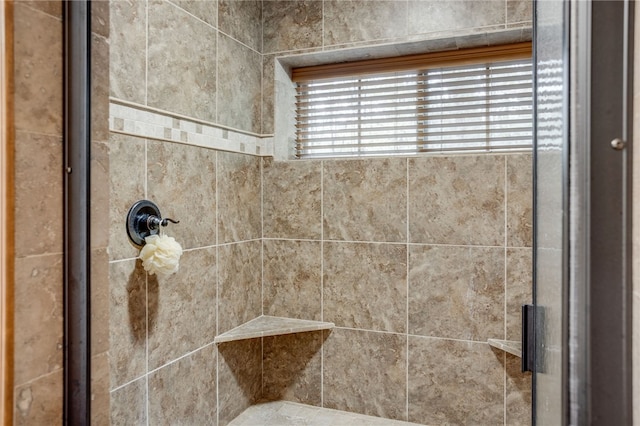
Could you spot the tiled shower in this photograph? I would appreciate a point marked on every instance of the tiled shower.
(417, 261)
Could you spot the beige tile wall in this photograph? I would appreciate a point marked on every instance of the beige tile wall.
(418, 261)
(162, 329)
(38, 192)
(199, 60)
(39, 199)
(344, 241)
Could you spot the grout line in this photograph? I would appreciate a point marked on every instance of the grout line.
(504, 388)
(323, 17)
(146, 53)
(262, 236)
(322, 271)
(38, 11)
(58, 136)
(407, 290)
(504, 294)
(181, 357)
(217, 95)
(506, 207)
(388, 242)
(217, 28)
(217, 186)
(117, 388)
(395, 333)
(146, 343)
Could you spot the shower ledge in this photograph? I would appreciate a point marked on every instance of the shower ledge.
(512, 346)
(265, 325)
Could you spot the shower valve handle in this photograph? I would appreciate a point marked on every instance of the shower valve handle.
(154, 222)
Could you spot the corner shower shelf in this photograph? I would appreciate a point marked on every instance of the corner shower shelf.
(265, 325)
(511, 346)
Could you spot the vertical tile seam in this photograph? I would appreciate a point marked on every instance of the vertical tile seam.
(504, 389)
(217, 186)
(323, 16)
(261, 269)
(504, 320)
(322, 267)
(217, 97)
(407, 285)
(146, 54)
(506, 210)
(146, 339)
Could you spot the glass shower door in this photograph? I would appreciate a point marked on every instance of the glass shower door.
(551, 127)
(581, 345)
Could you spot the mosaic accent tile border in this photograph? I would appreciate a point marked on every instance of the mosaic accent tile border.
(141, 122)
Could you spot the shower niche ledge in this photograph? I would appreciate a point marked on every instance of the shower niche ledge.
(511, 346)
(265, 325)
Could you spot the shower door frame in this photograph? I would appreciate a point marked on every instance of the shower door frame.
(596, 288)
(599, 345)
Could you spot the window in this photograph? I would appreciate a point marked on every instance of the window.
(476, 100)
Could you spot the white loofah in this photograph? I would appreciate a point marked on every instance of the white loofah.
(161, 255)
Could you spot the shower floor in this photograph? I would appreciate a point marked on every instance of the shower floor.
(284, 413)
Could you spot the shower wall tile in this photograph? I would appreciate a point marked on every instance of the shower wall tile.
(292, 366)
(292, 284)
(39, 402)
(453, 382)
(457, 200)
(38, 316)
(426, 16)
(100, 301)
(239, 377)
(239, 88)
(353, 21)
(129, 404)
(239, 195)
(185, 392)
(128, 321)
(519, 200)
(126, 186)
(268, 94)
(242, 20)
(100, 194)
(456, 292)
(517, 393)
(100, 22)
(128, 44)
(519, 11)
(181, 313)
(99, 88)
(240, 284)
(181, 73)
(38, 71)
(50, 7)
(365, 200)
(519, 288)
(291, 25)
(182, 182)
(205, 10)
(100, 386)
(365, 372)
(365, 286)
(38, 194)
(292, 198)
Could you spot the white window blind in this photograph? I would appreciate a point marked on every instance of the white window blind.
(483, 106)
